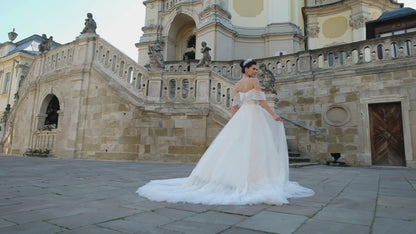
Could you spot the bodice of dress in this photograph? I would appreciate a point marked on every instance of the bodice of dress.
(250, 97)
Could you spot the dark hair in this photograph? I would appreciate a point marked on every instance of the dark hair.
(247, 63)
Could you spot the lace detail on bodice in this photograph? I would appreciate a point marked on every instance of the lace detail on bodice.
(248, 97)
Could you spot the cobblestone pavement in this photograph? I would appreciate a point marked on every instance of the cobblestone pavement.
(47, 195)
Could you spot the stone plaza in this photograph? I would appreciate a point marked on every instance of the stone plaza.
(50, 195)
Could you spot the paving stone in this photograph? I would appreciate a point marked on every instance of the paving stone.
(174, 214)
(295, 209)
(198, 208)
(5, 223)
(85, 196)
(241, 231)
(247, 210)
(195, 227)
(389, 201)
(342, 215)
(326, 227)
(268, 221)
(128, 226)
(216, 218)
(91, 229)
(35, 227)
(304, 202)
(388, 226)
(405, 213)
(149, 217)
(89, 218)
(354, 203)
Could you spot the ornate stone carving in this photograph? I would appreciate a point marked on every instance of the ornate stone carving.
(156, 57)
(267, 79)
(358, 21)
(214, 8)
(313, 31)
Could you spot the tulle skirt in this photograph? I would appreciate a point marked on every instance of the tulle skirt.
(247, 163)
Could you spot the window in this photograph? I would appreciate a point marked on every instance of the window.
(52, 112)
(6, 83)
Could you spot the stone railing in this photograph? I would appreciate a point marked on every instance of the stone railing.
(170, 4)
(375, 51)
(312, 3)
(44, 139)
(58, 58)
(122, 67)
(221, 94)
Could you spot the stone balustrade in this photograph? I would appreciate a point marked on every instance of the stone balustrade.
(122, 66)
(312, 3)
(333, 58)
(168, 5)
(44, 139)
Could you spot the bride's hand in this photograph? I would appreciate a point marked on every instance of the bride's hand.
(277, 118)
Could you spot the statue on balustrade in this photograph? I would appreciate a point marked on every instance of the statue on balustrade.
(267, 79)
(206, 57)
(156, 56)
(90, 25)
(46, 44)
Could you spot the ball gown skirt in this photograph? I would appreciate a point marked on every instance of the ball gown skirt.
(247, 163)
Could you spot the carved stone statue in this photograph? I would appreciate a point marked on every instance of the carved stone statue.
(267, 78)
(156, 56)
(6, 113)
(206, 57)
(90, 25)
(46, 44)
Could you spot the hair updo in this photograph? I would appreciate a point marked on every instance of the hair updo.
(247, 63)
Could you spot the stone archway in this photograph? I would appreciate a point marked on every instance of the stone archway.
(49, 112)
(181, 31)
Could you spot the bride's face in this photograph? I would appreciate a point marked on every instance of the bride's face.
(251, 71)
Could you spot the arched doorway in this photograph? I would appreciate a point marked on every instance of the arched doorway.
(49, 109)
(180, 43)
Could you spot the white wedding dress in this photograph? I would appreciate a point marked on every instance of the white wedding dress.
(247, 163)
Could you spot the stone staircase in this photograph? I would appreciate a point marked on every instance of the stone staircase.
(296, 159)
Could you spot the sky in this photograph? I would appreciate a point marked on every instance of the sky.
(118, 21)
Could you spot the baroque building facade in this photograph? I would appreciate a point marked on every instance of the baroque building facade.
(15, 61)
(339, 92)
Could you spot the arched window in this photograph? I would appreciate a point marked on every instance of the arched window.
(408, 45)
(393, 50)
(380, 52)
(331, 59)
(52, 109)
(367, 54)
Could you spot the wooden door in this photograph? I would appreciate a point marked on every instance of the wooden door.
(386, 133)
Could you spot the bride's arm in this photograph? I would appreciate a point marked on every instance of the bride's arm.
(263, 102)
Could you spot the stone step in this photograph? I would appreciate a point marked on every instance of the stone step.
(299, 159)
(300, 164)
(294, 154)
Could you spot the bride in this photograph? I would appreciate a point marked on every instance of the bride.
(247, 163)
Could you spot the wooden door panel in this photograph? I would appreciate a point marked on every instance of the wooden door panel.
(386, 133)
